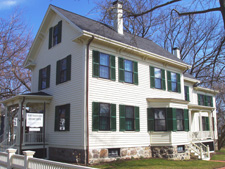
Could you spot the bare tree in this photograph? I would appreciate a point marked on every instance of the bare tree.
(15, 41)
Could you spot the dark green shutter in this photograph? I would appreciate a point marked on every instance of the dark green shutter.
(211, 101)
(39, 80)
(171, 119)
(178, 83)
(59, 38)
(205, 100)
(135, 65)
(169, 80)
(122, 117)
(207, 123)
(113, 117)
(58, 72)
(152, 77)
(199, 99)
(68, 68)
(121, 70)
(96, 61)
(50, 38)
(163, 79)
(67, 117)
(57, 118)
(95, 116)
(187, 93)
(186, 120)
(137, 120)
(151, 125)
(48, 76)
(112, 68)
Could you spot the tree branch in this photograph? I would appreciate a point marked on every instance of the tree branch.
(150, 10)
(197, 12)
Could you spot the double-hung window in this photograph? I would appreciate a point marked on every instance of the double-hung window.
(180, 119)
(103, 116)
(205, 123)
(129, 118)
(44, 78)
(209, 101)
(55, 34)
(173, 81)
(62, 118)
(205, 100)
(63, 73)
(128, 71)
(160, 119)
(157, 78)
(103, 65)
(186, 93)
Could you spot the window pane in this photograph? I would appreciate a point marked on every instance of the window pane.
(158, 83)
(104, 119)
(129, 118)
(104, 59)
(104, 110)
(62, 120)
(185, 92)
(104, 72)
(173, 77)
(201, 100)
(180, 126)
(128, 65)
(63, 76)
(174, 86)
(129, 112)
(160, 114)
(157, 73)
(63, 64)
(128, 77)
(160, 125)
(129, 124)
(43, 84)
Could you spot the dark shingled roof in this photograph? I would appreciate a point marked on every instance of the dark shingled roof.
(108, 32)
(186, 74)
(37, 94)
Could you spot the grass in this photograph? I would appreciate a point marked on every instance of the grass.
(220, 155)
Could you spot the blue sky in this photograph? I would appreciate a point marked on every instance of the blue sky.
(33, 11)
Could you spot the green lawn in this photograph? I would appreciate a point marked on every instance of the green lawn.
(165, 164)
(220, 155)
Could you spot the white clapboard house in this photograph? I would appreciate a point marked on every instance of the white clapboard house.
(99, 93)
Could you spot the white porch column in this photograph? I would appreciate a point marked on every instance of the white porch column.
(200, 124)
(210, 124)
(24, 122)
(18, 125)
(6, 123)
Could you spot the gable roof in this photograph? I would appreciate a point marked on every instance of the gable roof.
(104, 30)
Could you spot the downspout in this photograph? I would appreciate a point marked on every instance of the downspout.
(87, 92)
(21, 120)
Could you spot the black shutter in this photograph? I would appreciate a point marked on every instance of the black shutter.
(67, 117)
(68, 68)
(50, 38)
(112, 68)
(48, 76)
(40, 81)
(137, 120)
(211, 101)
(60, 32)
(58, 72)
(95, 116)
(121, 70)
(199, 100)
(152, 77)
(122, 117)
(57, 118)
(135, 67)
(95, 65)
(113, 117)
(151, 125)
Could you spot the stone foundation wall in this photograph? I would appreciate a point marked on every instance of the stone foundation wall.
(170, 152)
(101, 155)
(67, 155)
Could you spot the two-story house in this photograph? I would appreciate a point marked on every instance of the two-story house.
(99, 93)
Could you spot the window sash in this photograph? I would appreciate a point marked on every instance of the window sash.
(160, 120)
(104, 66)
(129, 118)
(202, 100)
(55, 35)
(43, 78)
(63, 70)
(104, 116)
(128, 71)
(180, 119)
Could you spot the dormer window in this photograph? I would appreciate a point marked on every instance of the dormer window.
(55, 35)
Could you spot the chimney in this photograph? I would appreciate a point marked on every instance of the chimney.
(176, 52)
(118, 16)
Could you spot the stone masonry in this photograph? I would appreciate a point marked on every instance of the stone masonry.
(170, 152)
(101, 155)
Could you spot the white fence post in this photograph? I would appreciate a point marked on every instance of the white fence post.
(10, 152)
(27, 155)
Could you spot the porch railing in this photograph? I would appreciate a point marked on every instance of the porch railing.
(201, 135)
(9, 142)
(34, 138)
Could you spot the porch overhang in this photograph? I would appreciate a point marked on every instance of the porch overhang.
(195, 107)
(170, 100)
(38, 97)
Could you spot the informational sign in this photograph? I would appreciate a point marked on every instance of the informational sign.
(34, 129)
(34, 120)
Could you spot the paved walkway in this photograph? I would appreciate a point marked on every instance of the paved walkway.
(220, 162)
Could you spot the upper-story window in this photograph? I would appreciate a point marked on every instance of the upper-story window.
(173, 81)
(205, 100)
(55, 34)
(63, 73)
(44, 78)
(103, 65)
(157, 78)
(62, 118)
(186, 93)
(128, 71)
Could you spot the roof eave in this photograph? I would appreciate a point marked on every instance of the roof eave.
(203, 89)
(191, 80)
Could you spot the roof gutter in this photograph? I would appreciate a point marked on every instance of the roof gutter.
(87, 93)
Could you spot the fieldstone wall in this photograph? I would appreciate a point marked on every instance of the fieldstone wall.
(101, 155)
(67, 155)
(170, 152)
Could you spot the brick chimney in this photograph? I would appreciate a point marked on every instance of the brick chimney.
(176, 52)
(118, 16)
